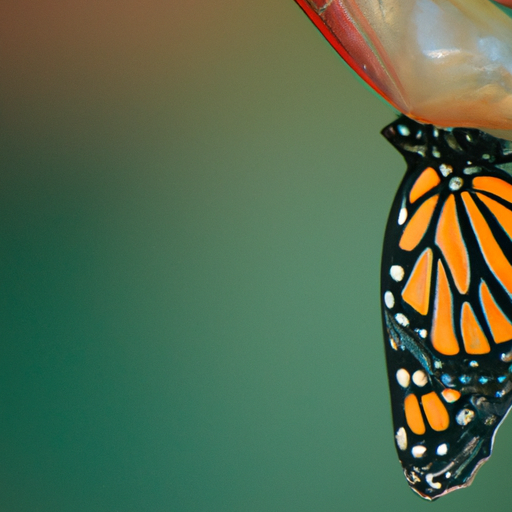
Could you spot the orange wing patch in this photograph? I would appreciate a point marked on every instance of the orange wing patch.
(435, 411)
(414, 231)
(473, 337)
(450, 395)
(449, 240)
(443, 333)
(494, 186)
(417, 290)
(413, 414)
(427, 180)
(499, 324)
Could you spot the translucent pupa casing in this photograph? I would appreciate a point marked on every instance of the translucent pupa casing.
(441, 62)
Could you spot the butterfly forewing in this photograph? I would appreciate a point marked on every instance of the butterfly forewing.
(447, 302)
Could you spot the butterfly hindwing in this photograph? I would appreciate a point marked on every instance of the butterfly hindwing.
(447, 302)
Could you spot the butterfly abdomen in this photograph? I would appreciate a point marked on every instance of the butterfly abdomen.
(447, 301)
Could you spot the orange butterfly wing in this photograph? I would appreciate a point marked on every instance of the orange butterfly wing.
(447, 302)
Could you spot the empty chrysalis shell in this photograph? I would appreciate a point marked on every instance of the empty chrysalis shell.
(441, 62)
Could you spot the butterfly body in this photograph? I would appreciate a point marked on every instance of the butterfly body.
(447, 306)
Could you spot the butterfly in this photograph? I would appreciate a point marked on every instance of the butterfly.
(446, 283)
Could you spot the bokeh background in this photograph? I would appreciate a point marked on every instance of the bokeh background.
(192, 202)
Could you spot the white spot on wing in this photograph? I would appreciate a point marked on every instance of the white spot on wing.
(455, 183)
(419, 378)
(403, 378)
(402, 319)
(422, 332)
(397, 273)
(445, 169)
(401, 438)
(389, 299)
(442, 449)
(402, 216)
(418, 451)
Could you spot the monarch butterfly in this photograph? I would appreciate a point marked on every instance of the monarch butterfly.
(446, 277)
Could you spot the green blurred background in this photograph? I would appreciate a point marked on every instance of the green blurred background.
(192, 202)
